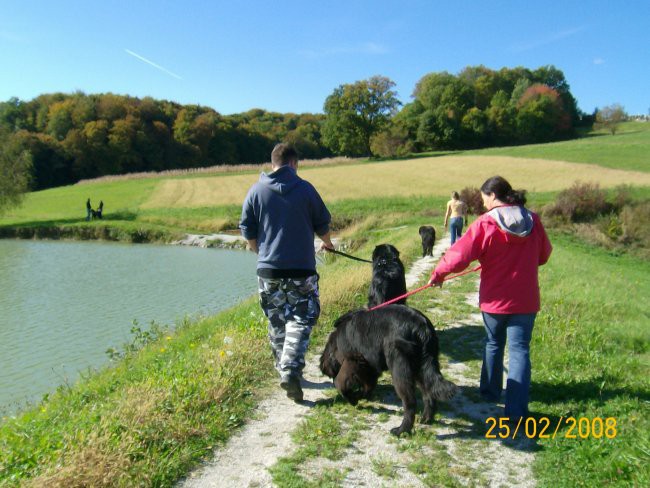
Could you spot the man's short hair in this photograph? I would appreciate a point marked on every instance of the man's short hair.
(283, 154)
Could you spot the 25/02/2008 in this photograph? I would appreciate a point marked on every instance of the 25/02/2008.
(532, 428)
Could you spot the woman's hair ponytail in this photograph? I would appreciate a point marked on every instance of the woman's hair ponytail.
(503, 191)
(517, 197)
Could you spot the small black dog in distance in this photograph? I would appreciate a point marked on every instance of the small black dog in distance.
(398, 338)
(428, 236)
(388, 279)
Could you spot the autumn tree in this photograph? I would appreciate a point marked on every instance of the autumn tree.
(541, 115)
(357, 111)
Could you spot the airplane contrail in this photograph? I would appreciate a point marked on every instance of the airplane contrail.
(141, 58)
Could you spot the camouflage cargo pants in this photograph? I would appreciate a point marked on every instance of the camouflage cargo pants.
(292, 307)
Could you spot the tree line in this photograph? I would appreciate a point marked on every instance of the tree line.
(63, 138)
(79, 136)
(479, 107)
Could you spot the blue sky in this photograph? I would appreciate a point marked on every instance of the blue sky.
(288, 56)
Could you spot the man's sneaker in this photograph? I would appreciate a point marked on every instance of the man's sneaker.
(292, 386)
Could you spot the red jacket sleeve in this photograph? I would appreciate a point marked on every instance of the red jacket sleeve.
(467, 249)
(545, 247)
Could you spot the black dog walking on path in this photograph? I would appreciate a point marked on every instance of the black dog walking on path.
(397, 338)
(388, 279)
(428, 236)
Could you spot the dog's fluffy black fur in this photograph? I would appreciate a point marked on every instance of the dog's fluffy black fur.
(388, 279)
(428, 236)
(396, 338)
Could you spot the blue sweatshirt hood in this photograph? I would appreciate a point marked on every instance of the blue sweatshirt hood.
(281, 181)
(513, 219)
(283, 212)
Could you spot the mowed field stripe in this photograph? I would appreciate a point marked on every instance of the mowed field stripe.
(435, 176)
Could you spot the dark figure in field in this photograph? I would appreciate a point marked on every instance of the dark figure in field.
(89, 210)
(396, 338)
(100, 209)
(388, 280)
(428, 236)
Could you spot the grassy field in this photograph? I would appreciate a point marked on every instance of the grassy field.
(150, 418)
(591, 358)
(628, 149)
(212, 203)
(416, 177)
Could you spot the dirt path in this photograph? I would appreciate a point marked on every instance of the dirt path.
(245, 460)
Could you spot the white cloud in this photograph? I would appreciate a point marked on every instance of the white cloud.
(599, 61)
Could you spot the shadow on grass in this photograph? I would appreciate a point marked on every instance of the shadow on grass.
(466, 416)
(415, 156)
(316, 386)
(461, 344)
(578, 391)
(469, 417)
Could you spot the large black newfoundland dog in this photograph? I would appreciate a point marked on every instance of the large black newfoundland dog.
(388, 279)
(396, 338)
(428, 236)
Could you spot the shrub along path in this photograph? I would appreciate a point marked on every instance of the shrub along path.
(325, 442)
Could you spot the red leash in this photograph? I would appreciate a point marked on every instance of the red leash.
(417, 290)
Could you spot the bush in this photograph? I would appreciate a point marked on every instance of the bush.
(472, 197)
(580, 203)
(635, 224)
(622, 197)
(391, 143)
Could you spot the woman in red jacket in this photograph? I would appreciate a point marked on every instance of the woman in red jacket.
(510, 243)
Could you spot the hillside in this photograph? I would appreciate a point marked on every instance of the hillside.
(156, 415)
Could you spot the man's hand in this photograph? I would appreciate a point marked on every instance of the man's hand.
(252, 245)
(324, 246)
(327, 242)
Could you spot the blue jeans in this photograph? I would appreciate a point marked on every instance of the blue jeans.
(518, 329)
(455, 227)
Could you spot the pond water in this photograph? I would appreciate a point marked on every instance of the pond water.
(63, 304)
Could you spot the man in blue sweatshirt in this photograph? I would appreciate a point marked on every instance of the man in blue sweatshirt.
(280, 216)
